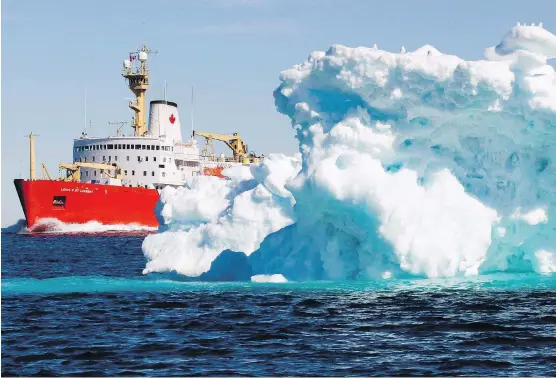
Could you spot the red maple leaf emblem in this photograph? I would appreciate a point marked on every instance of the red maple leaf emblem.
(172, 118)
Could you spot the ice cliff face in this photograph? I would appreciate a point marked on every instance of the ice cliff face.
(412, 163)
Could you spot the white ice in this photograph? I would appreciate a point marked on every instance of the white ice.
(415, 163)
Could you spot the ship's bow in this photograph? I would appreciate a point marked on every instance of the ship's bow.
(19, 187)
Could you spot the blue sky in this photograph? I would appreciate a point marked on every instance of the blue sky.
(232, 52)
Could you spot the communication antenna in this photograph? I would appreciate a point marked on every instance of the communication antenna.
(165, 100)
(192, 129)
(85, 110)
(122, 123)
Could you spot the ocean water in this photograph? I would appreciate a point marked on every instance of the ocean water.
(79, 305)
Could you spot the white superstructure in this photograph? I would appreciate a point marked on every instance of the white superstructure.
(155, 156)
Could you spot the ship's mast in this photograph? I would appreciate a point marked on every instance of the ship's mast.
(138, 82)
(32, 171)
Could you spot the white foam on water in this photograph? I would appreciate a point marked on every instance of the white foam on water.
(55, 226)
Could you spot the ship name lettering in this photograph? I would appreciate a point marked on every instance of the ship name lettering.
(76, 190)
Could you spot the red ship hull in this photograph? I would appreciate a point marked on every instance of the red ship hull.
(75, 202)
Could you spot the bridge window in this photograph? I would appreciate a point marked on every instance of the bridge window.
(119, 146)
(137, 146)
(143, 147)
(148, 147)
(110, 147)
(161, 166)
(157, 148)
(128, 146)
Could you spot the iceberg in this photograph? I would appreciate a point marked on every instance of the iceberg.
(410, 164)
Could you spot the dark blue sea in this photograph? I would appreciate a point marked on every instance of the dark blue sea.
(79, 305)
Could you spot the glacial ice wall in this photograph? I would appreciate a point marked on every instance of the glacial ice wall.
(411, 164)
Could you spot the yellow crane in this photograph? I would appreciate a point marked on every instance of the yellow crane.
(74, 170)
(233, 141)
(45, 173)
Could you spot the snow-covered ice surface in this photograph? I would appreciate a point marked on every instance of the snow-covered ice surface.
(411, 164)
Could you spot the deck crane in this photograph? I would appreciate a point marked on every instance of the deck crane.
(74, 170)
(233, 141)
